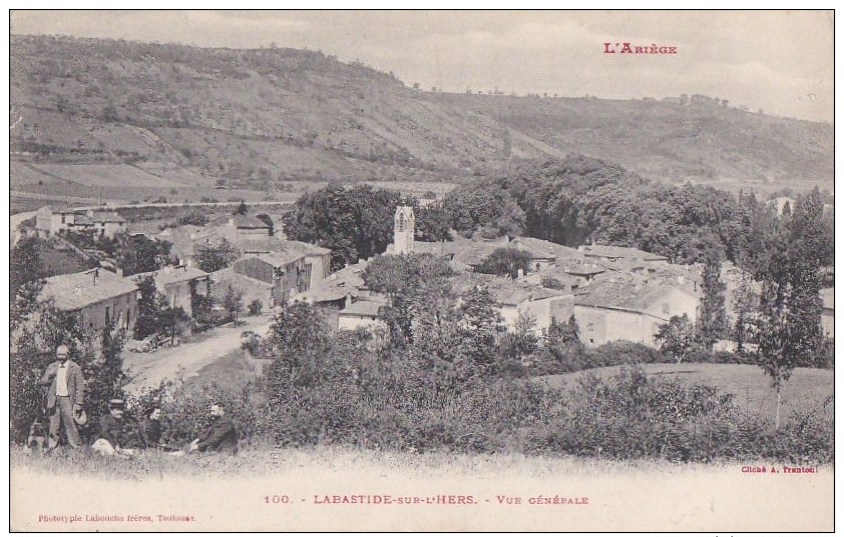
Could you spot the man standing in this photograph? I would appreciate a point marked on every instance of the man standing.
(220, 437)
(65, 396)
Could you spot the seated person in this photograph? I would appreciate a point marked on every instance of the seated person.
(150, 430)
(220, 437)
(111, 437)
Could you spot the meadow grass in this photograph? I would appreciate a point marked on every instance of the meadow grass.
(806, 391)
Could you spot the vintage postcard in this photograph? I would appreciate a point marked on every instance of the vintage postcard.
(421, 271)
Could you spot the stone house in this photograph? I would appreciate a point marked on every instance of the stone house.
(629, 308)
(361, 314)
(515, 298)
(175, 283)
(98, 296)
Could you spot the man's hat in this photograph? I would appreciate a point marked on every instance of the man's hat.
(80, 417)
(112, 403)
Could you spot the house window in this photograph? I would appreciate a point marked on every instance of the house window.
(666, 308)
(64, 219)
(402, 223)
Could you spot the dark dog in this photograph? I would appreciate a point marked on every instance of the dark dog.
(36, 442)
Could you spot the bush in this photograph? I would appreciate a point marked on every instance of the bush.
(255, 307)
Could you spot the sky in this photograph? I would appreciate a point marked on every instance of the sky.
(777, 61)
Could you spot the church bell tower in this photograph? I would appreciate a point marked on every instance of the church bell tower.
(404, 225)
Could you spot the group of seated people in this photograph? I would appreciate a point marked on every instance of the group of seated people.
(113, 439)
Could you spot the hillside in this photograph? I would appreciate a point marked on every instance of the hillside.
(156, 116)
(698, 139)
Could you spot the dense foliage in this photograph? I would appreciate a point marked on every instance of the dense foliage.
(357, 223)
(579, 200)
(212, 257)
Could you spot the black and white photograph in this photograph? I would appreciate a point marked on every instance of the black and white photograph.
(421, 270)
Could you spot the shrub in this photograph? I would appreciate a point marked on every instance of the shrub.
(255, 307)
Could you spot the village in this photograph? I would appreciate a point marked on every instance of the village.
(610, 293)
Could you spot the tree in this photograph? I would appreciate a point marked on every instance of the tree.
(790, 331)
(517, 345)
(505, 261)
(215, 256)
(297, 342)
(155, 315)
(242, 208)
(104, 372)
(138, 253)
(432, 224)
(233, 301)
(676, 337)
(480, 204)
(407, 280)
(746, 306)
(147, 322)
(24, 264)
(712, 320)
(481, 326)
(353, 223)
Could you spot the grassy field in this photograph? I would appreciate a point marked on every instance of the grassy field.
(227, 493)
(808, 389)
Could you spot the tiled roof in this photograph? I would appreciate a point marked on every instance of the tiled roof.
(462, 251)
(228, 275)
(170, 275)
(542, 249)
(582, 269)
(618, 252)
(627, 293)
(504, 289)
(369, 308)
(74, 291)
(338, 285)
(82, 220)
(257, 245)
(557, 273)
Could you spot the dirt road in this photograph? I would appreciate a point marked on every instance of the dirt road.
(147, 370)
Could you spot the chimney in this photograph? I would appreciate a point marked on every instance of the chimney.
(119, 272)
(520, 273)
(231, 220)
(348, 300)
(96, 276)
(77, 290)
(681, 280)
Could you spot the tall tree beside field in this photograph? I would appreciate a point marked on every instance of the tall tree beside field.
(790, 333)
(712, 321)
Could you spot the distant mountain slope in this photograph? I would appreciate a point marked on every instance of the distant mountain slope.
(251, 118)
(698, 139)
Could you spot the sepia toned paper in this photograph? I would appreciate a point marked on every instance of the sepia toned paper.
(611, 55)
